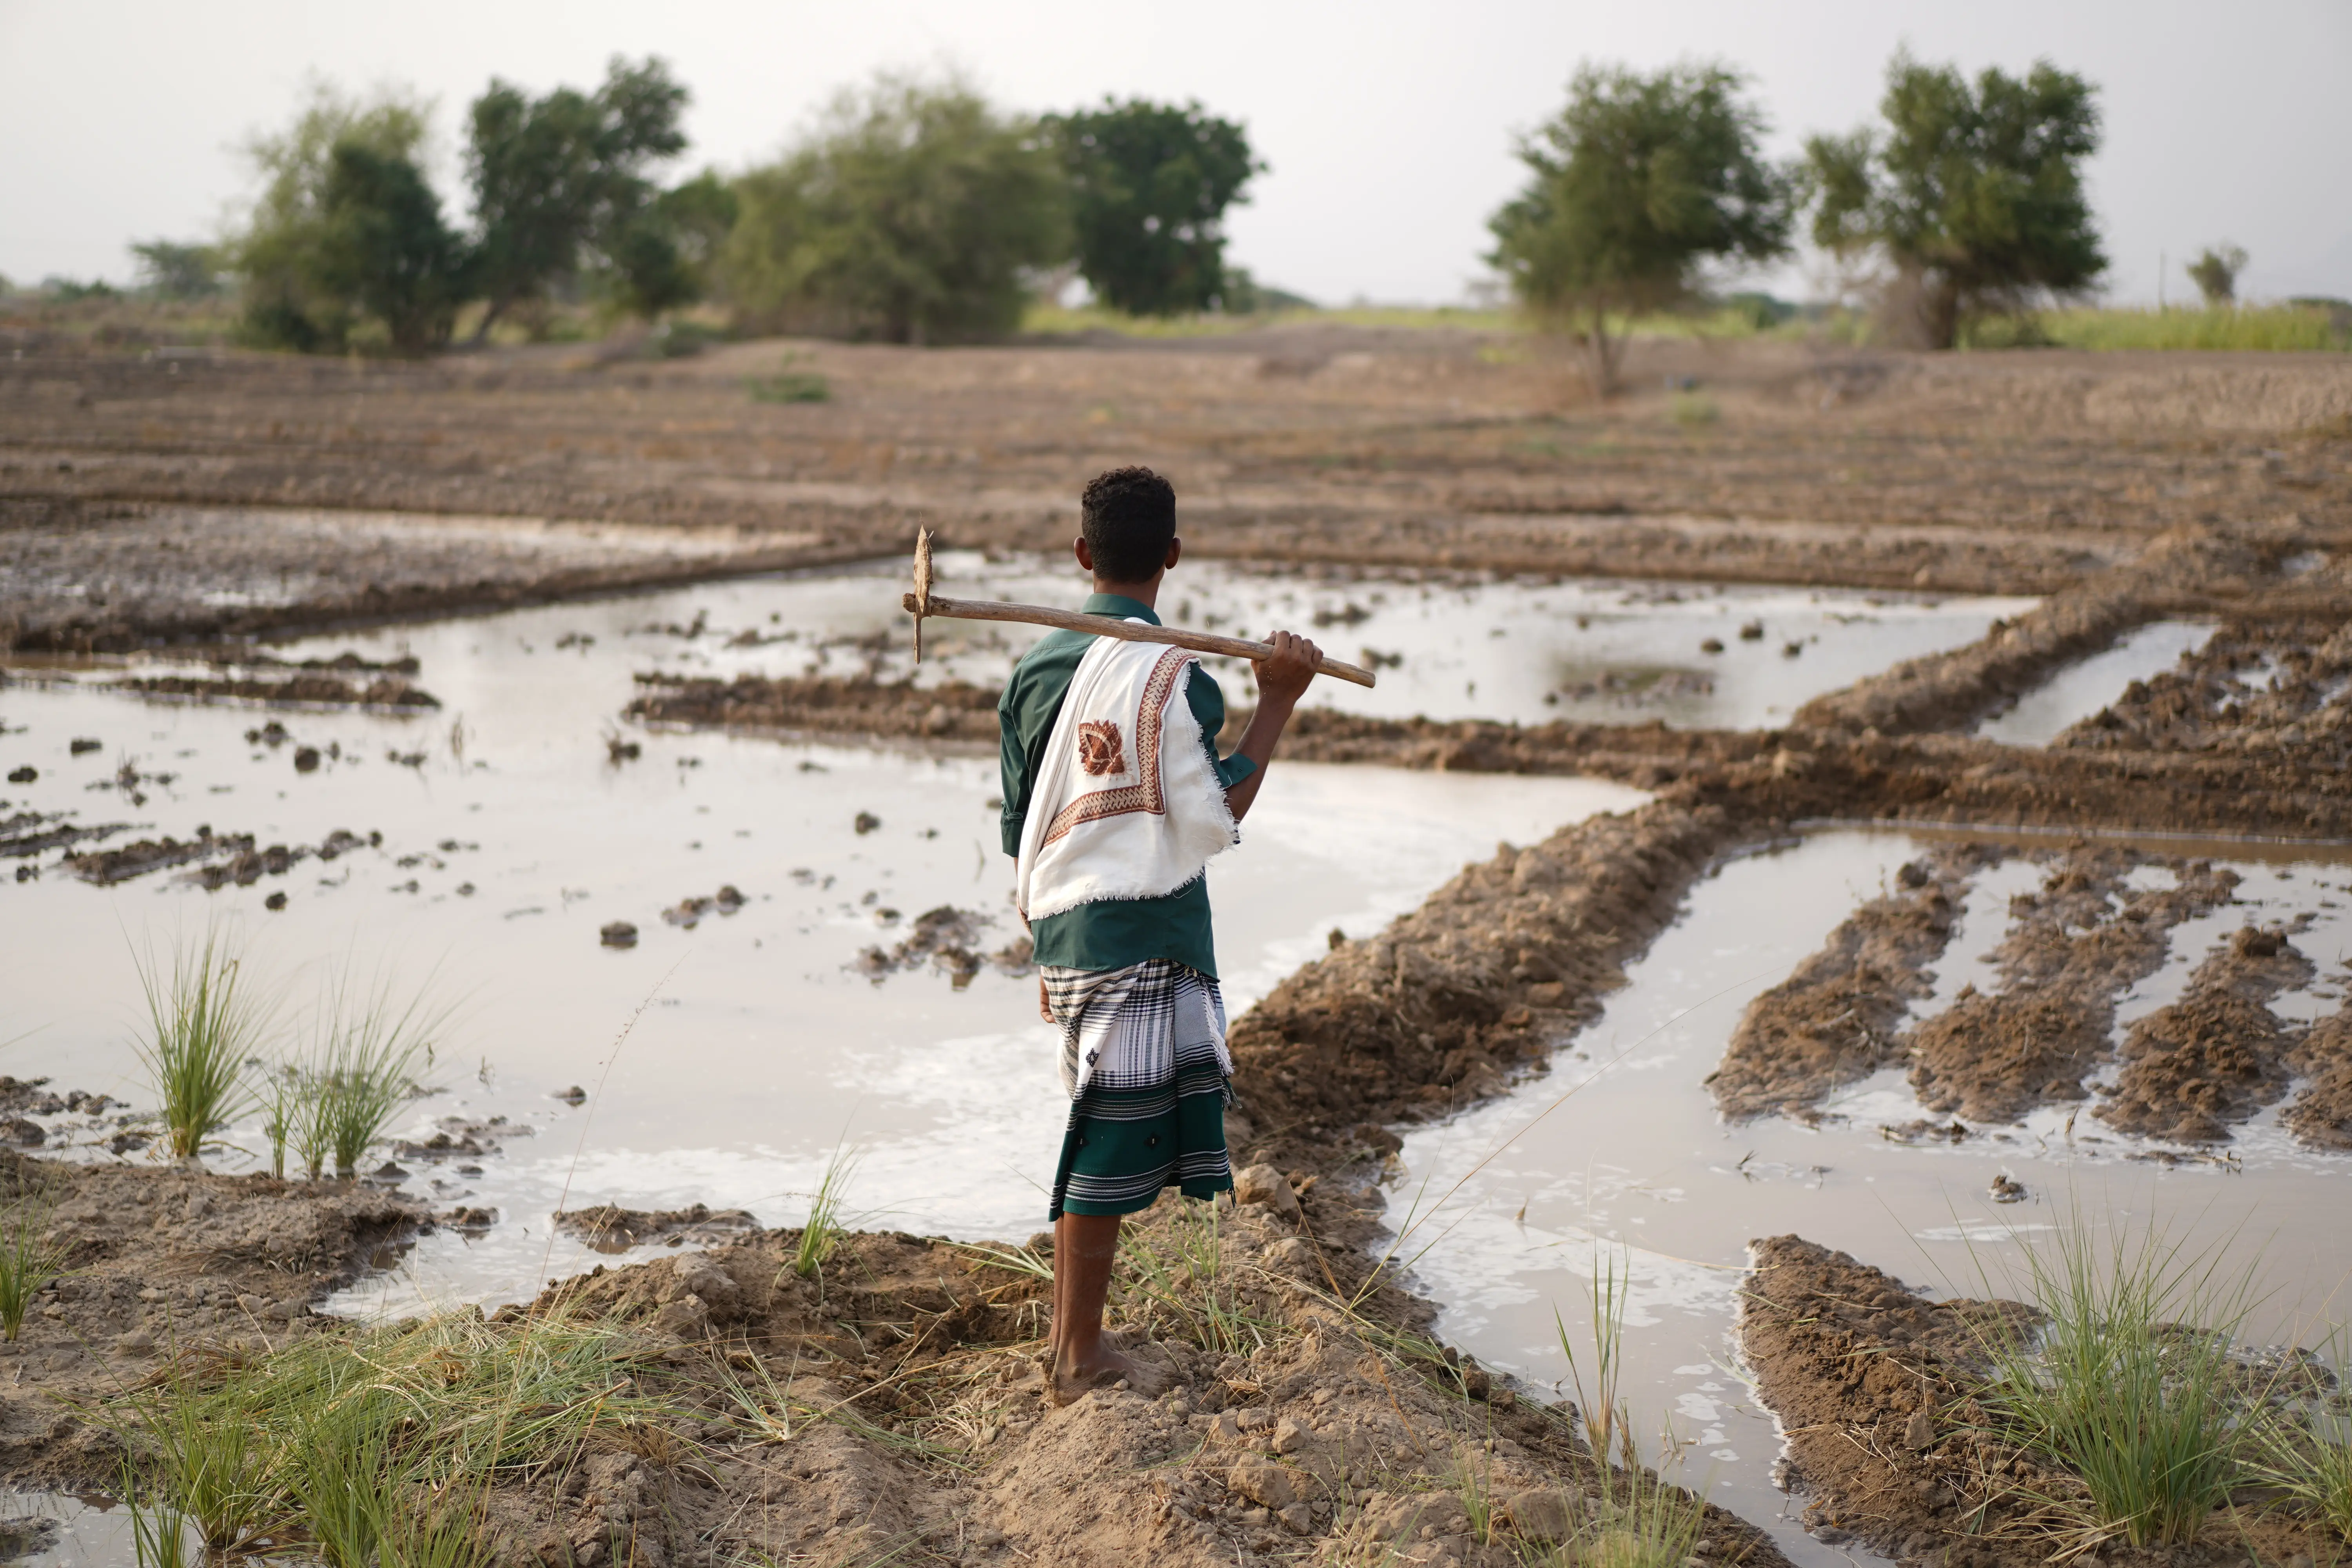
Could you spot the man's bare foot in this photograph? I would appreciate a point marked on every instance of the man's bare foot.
(1073, 1376)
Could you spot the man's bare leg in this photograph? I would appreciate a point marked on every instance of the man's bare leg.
(1086, 1245)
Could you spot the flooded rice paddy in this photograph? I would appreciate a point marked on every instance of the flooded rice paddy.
(1617, 1151)
(2080, 690)
(744, 1039)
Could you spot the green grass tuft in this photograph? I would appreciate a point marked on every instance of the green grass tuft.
(205, 1020)
(821, 1237)
(2303, 1445)
(30, 1259)
(2128, 1381)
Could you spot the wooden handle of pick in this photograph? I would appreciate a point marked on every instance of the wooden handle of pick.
(1125, 631)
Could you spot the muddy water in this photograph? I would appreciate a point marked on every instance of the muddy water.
(1634, 1165)
(509, 838)
(61, 1530)
(2086, 687)
(1517, 649)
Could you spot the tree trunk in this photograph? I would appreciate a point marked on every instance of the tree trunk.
(489, 317)
(1603, 355)
(1939, 311)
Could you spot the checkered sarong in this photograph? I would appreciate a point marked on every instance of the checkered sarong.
(1143, 1060)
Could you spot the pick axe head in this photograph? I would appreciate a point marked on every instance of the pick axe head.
(922, 585)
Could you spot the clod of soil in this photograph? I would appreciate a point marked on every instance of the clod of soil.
(689, 912)
(946, 938)
(2216, 1056)
(618, 933)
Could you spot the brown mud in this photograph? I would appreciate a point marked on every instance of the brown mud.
(1876, 1387)
(130, 489)
(2218, 1054)
(1837, 1018)
(160, 1257)
(2073, 946)
(293, 690)
(887, 1402)
(825, 705)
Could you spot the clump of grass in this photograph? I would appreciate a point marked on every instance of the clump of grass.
(822, 1237)
(2127, 1382)
(367, 1040)
(1184, 1284)
(30, 1261)
(158, 1532)
(790, 386)
(205, 1019)
(2288, 327)
(2303, 1446)
(1694, 410)
(381, 1445)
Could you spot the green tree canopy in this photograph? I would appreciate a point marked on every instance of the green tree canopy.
(912, 214)
(1974, 193)
(561, 183)
(1150, 183)
(383, 246)
(172, 270)
(1640, 182)
(292, 299)
(2215, 273)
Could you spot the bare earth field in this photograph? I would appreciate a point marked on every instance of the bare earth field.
(197, 501)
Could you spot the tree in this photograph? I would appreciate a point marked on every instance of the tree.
(1149, 184)
(383, 248)
(1640, 182)
(558, 178)
(912, 214)
(2215, 273)
(291, 300)
(175, 271)
(1975, 195)
(667, 254)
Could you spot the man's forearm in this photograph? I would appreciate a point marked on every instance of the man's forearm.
(1265, 731)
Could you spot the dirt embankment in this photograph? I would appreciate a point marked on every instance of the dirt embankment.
(1877, 1390)
(1497, 966)
(2073, 946)
(2321, 1115)
(2266, 690)
(821, 705)
(2218, 1054)
(158, 1256)
(1838, 1017)
(886, 1405)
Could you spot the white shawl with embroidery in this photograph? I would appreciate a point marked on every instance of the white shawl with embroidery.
(1126, 805)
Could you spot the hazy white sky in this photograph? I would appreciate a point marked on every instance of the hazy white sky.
(1389, 126)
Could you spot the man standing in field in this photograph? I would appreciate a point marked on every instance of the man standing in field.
(1115, 798)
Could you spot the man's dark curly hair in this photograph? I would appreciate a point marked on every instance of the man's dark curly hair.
(1128, 516)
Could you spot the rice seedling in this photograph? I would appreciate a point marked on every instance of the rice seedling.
(367, 1043)
(1640, 1521)
(283, 1111)
(205, 1019)
(158, 1532)
(213, 1455)
(30, 1259)
(2303, 1446)
(1600, 1405)
(2127, 1382)
(822, 1236)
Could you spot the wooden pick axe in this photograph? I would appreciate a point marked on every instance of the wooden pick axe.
(922, 603)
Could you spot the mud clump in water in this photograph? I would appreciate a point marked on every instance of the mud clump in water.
(945, 938)
(608, 1227)
(688, 912)
(301, 690)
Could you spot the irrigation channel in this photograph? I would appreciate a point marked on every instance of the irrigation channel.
(483, 845)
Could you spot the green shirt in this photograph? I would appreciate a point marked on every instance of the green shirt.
(1113, 932)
